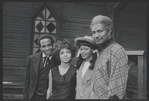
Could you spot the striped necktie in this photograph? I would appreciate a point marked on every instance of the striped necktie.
(46, 61)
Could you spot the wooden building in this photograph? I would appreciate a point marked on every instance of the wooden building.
(23, 22)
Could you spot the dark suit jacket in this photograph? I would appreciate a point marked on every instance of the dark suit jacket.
(32, 71)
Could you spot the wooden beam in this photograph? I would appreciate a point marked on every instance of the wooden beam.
(141, 94)
(141, 52)
(140, 78)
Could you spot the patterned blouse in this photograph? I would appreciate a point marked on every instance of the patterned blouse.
(111, 72)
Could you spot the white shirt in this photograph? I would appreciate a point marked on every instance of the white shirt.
(43, 55)
(85, 67)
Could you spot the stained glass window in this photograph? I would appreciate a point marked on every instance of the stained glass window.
(44, 22)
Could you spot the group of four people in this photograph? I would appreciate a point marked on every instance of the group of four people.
(101, 71)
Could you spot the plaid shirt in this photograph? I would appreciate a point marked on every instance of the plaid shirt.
(111, 71)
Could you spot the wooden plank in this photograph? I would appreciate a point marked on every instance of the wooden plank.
(12, 83)
(12, 62)
(131, 95)
(13, 78)
(132, 90)
(18, 8)
(14, 71)
(75, 26)
(141, 52)
(16, 55)
(144, 77)
(15, 35)
(12, 96)
(140, 78)
(78, 21)
(76, 10)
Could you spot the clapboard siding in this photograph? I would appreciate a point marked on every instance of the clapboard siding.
(15, 48)
(16, 70)
(74, 26)
(15, 54)
(76, 18)
(131, 25)
(16, 21)
(16, 30)
(76, 33)
(22, 9)
(15, 35)
(17, 42)
(14, 79)
(81, 11)
(75, 29)
(78, 21)
(13, 62)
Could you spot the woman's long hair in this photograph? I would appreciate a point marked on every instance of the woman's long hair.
(80, 59)
(92, 61)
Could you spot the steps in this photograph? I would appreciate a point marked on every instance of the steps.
(12, 96)
(12, 90)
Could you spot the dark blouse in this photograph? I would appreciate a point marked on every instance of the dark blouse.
(63, 86)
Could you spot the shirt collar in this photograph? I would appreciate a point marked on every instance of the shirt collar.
(43, 55)
(107, 43)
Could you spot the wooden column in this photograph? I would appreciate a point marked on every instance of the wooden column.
(141, 73)
(140, 78)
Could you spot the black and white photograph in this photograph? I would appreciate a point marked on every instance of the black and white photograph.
(74, 50)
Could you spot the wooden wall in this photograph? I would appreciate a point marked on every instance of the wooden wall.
(16, 29)
(131, 33)
(76, 18)
(73, 20)
(131, 26)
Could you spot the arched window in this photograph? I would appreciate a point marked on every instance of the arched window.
(44, 22)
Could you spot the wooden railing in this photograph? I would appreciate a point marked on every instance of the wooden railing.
(12, 90)
(136, 88)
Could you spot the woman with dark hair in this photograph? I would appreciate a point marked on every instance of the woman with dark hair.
(85, 66)
(62, 78)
